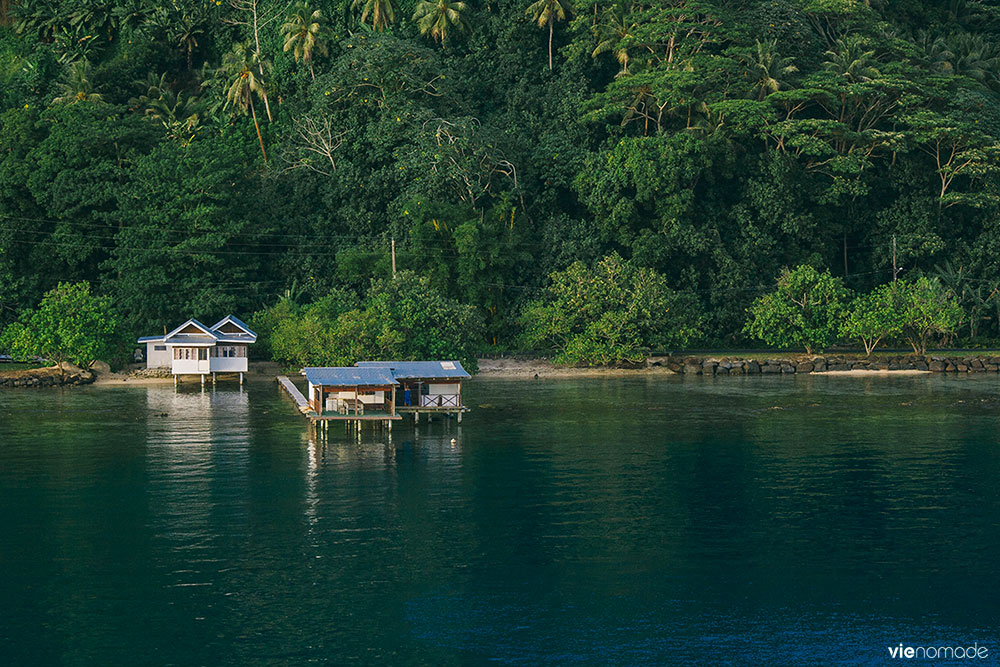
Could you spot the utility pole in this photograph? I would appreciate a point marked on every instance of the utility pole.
(394, 259)
(895, 267)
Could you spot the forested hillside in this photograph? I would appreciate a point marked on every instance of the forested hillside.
(193, 158)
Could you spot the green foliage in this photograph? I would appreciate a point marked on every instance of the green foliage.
(70, 324)
(708, 141)
(805, 311)
(610, 313)
(928, 310)
(874, 317)
(401, 318)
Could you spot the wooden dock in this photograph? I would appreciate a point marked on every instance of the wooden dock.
(294, 392)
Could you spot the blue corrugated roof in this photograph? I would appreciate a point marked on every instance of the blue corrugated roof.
(350, 377)
(151, 339)
(405, 370)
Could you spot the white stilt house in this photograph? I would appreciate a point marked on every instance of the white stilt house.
(195, 349)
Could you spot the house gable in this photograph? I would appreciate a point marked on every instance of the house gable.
(191, 327)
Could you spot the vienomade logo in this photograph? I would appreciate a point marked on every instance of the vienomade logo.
(974, 652)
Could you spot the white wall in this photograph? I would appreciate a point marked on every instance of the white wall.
(228, 364)
(158, 358)
(376, 397)
(185, 366)
(435, 389)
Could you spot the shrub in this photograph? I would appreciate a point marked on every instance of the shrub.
(927, 309)
(805, 311)
(874, 317)
(610, 313)
(70, 324)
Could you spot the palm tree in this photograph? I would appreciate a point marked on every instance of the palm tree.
(851, 60)
(438, 18)
(77, 86)
(304, 32)
(186, 36)
(974, 57)
(240, 67)
(612, 32)
(383, 12)
(768, 72)
(934, 56)
(547, 12)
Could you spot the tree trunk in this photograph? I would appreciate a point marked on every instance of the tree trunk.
(260, 66)
(550, 45)
(259, 138)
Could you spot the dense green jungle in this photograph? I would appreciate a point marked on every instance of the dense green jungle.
(383, 177)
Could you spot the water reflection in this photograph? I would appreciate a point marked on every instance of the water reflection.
(197, 450)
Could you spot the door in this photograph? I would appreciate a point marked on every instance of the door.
(203, 359)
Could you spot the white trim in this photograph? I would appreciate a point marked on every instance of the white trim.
(196, 323)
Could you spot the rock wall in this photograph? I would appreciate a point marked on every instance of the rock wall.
(46, 377)
(821, 364)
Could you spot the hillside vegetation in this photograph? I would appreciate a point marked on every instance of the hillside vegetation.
(198, 157)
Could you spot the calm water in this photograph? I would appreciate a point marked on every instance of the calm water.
(807, 520)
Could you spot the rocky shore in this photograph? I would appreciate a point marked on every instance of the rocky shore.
(823, 364)
(65, 374)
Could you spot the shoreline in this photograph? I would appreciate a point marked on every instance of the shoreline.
(527, 369)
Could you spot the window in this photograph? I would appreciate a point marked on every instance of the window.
(160, 348)
(202, 354)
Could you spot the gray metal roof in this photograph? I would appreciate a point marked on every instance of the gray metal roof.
(208, 332)
(404, 370)
(350, 377)
(235, 320)
(192, 339)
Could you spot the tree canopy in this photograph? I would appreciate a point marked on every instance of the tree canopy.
(192, 158)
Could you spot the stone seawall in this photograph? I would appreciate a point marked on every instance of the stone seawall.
(46, 377)
(822, 364)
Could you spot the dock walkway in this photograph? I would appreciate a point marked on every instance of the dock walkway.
(294, 392)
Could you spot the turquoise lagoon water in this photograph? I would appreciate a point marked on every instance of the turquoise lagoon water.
(600, 521)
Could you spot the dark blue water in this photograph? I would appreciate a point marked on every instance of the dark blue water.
(669, 520)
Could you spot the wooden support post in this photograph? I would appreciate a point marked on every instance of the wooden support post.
(241, 378)
(460, 417)
(213, 379)
(175, 381)
(202, 375)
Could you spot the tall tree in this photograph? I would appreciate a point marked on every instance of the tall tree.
(546, 13)
(440, 18)
(257, 15)
(240, 67)
(78, 85)
(304, 34)
(382, 12)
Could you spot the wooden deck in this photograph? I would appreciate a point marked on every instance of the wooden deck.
(294, 392)
(370, 417)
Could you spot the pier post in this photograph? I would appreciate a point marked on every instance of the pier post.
(241, 378)
(175, 382)
(213, 379)
(202, 380)
(459, 416)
